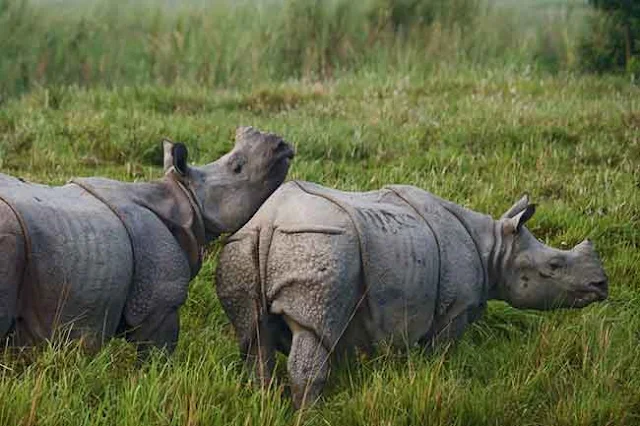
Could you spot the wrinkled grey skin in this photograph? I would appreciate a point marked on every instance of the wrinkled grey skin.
(318, 272)
(101, 257)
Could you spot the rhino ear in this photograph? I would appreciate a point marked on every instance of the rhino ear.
(175, 155)
(519, 206)
(514, 224)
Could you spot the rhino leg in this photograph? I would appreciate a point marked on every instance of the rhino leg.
(12, 265)
(160, 330)
(451, 327)
(160, 285)
(308, 365)
(236, 287)
(451, 331)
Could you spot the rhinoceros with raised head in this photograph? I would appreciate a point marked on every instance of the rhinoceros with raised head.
(99, 257)
(318, 271)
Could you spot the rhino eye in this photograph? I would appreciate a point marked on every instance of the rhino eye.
(555, 264)
(236, 164)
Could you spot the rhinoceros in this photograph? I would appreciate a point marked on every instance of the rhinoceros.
(97, 257)
(318, 272)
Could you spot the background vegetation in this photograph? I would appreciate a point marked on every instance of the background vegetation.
(248, 42)
(477, 102)
(614, 40)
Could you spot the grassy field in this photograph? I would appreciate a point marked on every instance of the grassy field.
(477, 132)
(247, 43)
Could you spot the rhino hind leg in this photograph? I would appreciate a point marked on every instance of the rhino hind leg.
(12, 265)
(307, 365)
(236, 287)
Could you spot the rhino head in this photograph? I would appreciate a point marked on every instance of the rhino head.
(230, 190)
(536, 276)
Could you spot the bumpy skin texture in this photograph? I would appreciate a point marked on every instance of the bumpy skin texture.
(98, 257)
(318, 272)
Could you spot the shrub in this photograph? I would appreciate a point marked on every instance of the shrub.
(613, 40)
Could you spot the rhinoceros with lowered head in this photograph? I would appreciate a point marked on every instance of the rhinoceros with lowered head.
(318, 272)
(99, 257)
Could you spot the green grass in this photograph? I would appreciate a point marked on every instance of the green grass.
(480, 137)
(476, 113)
(244, 44)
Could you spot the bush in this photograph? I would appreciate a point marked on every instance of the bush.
(400, 15)
(613, 42)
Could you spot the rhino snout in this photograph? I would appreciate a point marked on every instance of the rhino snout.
(592, 291)
(597, 283)
(282, 153)
(284, 149)
(600, 288)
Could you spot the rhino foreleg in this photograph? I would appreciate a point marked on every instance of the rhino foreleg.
(160, 284)
(450, 327)
(450, 331)
(160, 330)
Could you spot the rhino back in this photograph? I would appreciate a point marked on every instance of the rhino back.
(80, 261)
(400, 265)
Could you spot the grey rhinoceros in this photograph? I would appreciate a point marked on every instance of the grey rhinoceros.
(318, 271)
(99, 257)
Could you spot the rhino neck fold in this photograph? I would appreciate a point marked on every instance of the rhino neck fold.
(486, 234)
(177, 208)
(497, 258)
(199, 227)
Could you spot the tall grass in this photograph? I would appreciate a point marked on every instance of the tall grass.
(243, 43)
(371, 92)
(478, 137)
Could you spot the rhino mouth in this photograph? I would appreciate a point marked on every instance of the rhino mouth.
(284, 151)
(600, 288)
(282, 157)
(591, 292)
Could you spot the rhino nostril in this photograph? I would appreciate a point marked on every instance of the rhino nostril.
(600, 286)
(283, 149)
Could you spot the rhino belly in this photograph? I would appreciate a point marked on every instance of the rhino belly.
(80, 265)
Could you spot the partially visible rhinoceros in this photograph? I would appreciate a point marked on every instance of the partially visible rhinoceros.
(318, 271)
(99, 257)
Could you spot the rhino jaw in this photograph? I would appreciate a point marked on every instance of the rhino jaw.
(593, 291)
